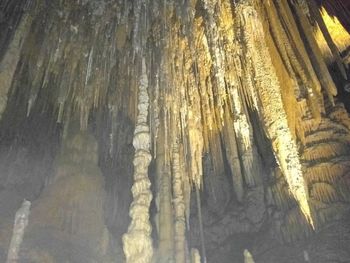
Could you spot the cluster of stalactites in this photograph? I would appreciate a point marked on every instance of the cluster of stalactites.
(206, 109)
(209, 72)
(229, 66)
(273, 112)
(339, 34)
(78, 61)
(311, 9)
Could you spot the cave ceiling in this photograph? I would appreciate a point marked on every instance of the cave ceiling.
(164, 131)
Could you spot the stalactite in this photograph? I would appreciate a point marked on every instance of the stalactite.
(318, 62)
(272, 107)
(233, 157)
(179, 208)
(244, 133)
(21, 222)
(296, 55)
(212, 35)
(164, 197)
(339, 34)
(286, 52)
(195, 138)
(137, 241)
(314, 11)
(11, 58)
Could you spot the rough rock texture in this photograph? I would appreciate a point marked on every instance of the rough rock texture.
(329, 244)
(162, 131)
(137, 242)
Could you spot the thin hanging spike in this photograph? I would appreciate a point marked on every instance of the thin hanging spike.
(11, 59)
(89, 66)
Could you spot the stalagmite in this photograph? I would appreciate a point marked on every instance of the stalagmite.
(195, 256)
(21, 222)
(248, 258)
(306, 256)
(137, 241)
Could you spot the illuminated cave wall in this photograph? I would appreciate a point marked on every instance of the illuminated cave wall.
(157, 131)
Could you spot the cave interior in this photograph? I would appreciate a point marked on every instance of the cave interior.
(174, 131)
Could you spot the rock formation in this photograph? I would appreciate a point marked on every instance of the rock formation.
(175, 131)
(21, 222)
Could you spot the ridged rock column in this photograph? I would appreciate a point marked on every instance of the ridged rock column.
(137, 241)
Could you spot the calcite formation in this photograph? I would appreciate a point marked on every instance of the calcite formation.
(21, 223)
(179, 208)
(339, 34)
(211, 121)
(137, 241)
(69, 214)
(248, 258)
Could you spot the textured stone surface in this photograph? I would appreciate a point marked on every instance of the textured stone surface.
(214, 125)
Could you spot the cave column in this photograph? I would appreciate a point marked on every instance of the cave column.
(137, 242)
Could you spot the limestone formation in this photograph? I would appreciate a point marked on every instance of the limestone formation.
(10, 60)
(137, 241)
(248, 258)
(179, 209)
(21, 222)
(145, 130)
